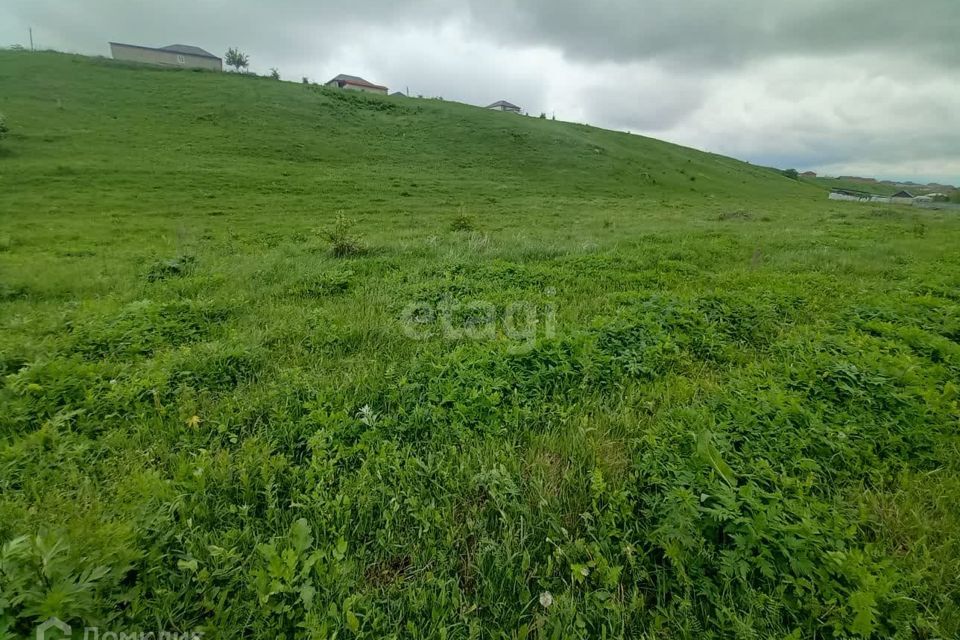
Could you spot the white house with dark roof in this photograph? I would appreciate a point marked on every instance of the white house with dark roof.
(355, 83)
(503, 105)
(175, 55)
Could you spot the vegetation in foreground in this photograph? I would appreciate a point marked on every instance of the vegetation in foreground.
(250, 385)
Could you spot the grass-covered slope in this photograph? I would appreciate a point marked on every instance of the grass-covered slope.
(540, 380)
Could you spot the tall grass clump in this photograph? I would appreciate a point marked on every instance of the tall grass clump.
(344, 240)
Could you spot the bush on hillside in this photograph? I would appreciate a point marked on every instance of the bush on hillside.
(4, 129)
(793, 174)
(344, 241)
(463, 222)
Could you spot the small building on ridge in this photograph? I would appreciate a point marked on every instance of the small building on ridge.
(355, 83)
(174, 55)
(503, 105)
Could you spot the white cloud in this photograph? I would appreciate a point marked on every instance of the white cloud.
(848, 114)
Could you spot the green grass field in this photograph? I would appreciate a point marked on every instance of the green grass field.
(280, 361)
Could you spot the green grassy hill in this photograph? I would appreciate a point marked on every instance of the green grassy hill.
(201, 131)
(280, 361)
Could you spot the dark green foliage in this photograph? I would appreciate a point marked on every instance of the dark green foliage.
(171, 268)
(145, 326)
(344, 240)
(463, 222)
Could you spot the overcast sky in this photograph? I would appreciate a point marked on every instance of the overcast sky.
(865, 87)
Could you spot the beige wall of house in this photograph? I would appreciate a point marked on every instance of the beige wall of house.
(353, 87)
(165, 58)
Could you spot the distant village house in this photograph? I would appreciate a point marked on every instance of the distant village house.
(503, 105)
(902, 197)
(852, 195)
(808, 174)
(175, 55)
(355, 83)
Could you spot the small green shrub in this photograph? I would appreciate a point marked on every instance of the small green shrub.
(43, 577)
(344, 241)
(4, 128)
(463, 222)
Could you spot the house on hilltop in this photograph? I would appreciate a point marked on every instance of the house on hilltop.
(174, 55)
(503, 105)
(355, 83)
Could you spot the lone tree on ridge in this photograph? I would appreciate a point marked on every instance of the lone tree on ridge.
(236, 59)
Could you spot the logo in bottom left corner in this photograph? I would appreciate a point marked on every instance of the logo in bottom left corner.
(53, 629)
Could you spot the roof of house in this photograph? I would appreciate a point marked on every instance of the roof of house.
(183, 49)
(902, 194)
(355, 80)
(189, 50)
(503, 103)
(399, 93)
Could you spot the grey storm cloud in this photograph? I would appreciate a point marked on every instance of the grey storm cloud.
(695, 33)
(712, 33)
(849, 84)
